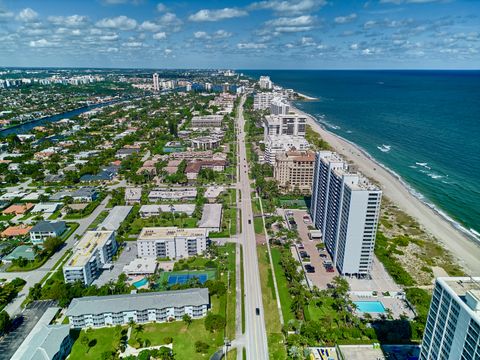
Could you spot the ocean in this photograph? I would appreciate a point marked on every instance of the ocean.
(422, 125)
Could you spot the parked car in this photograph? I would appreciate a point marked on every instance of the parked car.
(330, 270)
(309, 268)
(303, 254)
(323, 255)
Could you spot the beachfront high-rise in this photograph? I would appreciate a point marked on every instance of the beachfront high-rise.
(345, 207)
(156, 85)
(452, 331)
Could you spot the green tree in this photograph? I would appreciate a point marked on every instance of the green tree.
(187, 319)
(214, 322)
(5, 322)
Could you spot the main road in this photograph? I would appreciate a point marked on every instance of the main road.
(255, 333)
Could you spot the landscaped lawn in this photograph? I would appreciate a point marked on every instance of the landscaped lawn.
(104, 340)
(184, 337)
(285, 298)
(258, 225)
(272, 318)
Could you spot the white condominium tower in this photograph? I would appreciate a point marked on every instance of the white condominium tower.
(265, 82)
(156, 85)
(345, 207)
(452, 331)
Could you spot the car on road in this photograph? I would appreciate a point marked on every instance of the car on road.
(249, 221)
(257, 311)
(300, 246)
(304, 254)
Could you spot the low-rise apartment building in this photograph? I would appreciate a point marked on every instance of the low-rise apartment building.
(207, 121)
(171, 193)
(46, 229)
(90, 255)
(294, 170)
(171, 242)
(100, 311)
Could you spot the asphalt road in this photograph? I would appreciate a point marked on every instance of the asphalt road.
(255, 333)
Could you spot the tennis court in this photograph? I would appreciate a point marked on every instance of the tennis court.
(181, 277)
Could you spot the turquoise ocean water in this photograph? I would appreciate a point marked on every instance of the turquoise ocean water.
(422, 125)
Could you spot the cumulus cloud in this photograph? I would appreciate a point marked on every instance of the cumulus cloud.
(68, 21)
(161, 7)
(219, 34)
(160, 36)
(288, 7)
(250, 45)
(133, 44)
(290, 24)
(41, 43)
(120, 22)
(345, 19)
(27, 15)
(149, 26)
(216, 15)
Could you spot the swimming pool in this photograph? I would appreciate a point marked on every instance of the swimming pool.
(140, 283)
(370, 306)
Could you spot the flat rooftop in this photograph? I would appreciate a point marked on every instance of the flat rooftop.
(158, 233)
(361, 352)
(87, 245)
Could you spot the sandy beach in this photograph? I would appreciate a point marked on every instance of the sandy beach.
(464, 249)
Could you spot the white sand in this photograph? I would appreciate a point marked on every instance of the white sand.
(464, 249)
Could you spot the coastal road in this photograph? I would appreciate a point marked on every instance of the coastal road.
(255, 332)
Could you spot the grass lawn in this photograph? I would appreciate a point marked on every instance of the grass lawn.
(258, 225)
(285, 298)
(99, 219)
(105, 340)
(276, 347)
(184, 338)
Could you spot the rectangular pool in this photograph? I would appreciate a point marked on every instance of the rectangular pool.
(370, 306)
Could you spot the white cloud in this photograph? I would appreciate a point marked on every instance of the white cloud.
(168, 51)
(133, 44)
(27, 15)
(219, 34)
(345, 19)
(149, 26)
(289, 7)
(371, 51)
(169, 19)
(308, 41)
(303, 20)
(201, 35)
(120, 22)
(112, 49)
(354, 46)
(251, 46)
(41, 43)
(110, 37)
(160, 36)
(216, 15)
(68, 21)
(161, 7)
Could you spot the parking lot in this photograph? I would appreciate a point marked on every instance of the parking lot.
(129, 252)
(320, 277)
(23, 324)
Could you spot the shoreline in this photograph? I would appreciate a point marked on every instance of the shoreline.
(306, 97)
(460, 244)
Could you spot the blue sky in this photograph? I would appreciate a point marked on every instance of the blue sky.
(269, 34)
